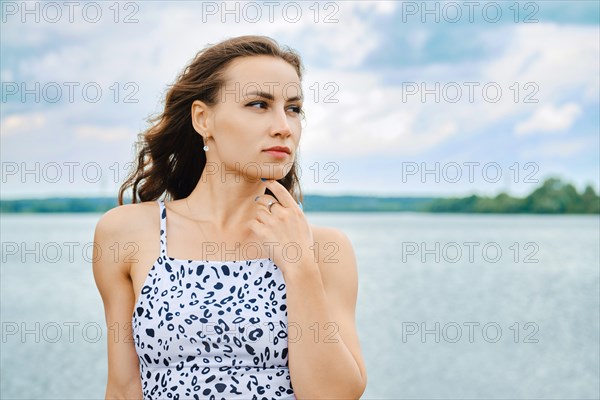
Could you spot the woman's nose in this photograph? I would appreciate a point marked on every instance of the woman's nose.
(281, 124)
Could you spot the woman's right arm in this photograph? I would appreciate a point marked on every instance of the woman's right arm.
(114, 284)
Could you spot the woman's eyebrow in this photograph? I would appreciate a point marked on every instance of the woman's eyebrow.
(269, 96)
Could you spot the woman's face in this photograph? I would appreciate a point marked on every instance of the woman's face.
(259, 107)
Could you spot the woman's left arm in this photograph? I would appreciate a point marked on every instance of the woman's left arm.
(324, 352)
(321, 290)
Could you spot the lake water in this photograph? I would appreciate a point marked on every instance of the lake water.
(509, 310)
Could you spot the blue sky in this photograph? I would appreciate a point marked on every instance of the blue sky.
(373, 59)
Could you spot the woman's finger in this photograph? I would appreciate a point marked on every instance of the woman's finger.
(265, 199)
(282, 194)
(262, 215)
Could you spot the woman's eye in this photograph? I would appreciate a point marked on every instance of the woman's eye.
(296, 109)
(257, 103)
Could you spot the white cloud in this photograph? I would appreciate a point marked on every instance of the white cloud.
(549, 119)
(559, 149)
(19, 123)
(560, 60)
(369, 118)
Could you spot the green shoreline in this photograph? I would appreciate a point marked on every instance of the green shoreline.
(552, 197)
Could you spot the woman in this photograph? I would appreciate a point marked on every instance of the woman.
(248, 300)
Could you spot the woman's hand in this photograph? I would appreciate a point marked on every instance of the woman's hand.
(284, 231)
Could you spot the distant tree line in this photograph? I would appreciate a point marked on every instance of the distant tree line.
(552, 197)
(59, 205)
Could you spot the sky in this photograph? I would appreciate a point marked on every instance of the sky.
(438, 98)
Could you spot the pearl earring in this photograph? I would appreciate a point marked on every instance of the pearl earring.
(205, 148)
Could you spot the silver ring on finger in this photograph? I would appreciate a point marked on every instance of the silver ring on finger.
(270, 204)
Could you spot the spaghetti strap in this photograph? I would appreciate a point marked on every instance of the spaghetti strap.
(163, 227)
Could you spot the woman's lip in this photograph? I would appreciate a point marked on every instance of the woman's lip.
(277, 154)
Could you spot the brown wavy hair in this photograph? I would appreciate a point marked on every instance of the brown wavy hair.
(170, 155)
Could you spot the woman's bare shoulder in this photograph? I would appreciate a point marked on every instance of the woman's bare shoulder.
(329, 240)
(325, 233)
(127, 218)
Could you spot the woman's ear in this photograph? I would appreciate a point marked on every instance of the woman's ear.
(199, 113)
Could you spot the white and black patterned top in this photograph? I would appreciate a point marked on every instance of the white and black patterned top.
(212, 329)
